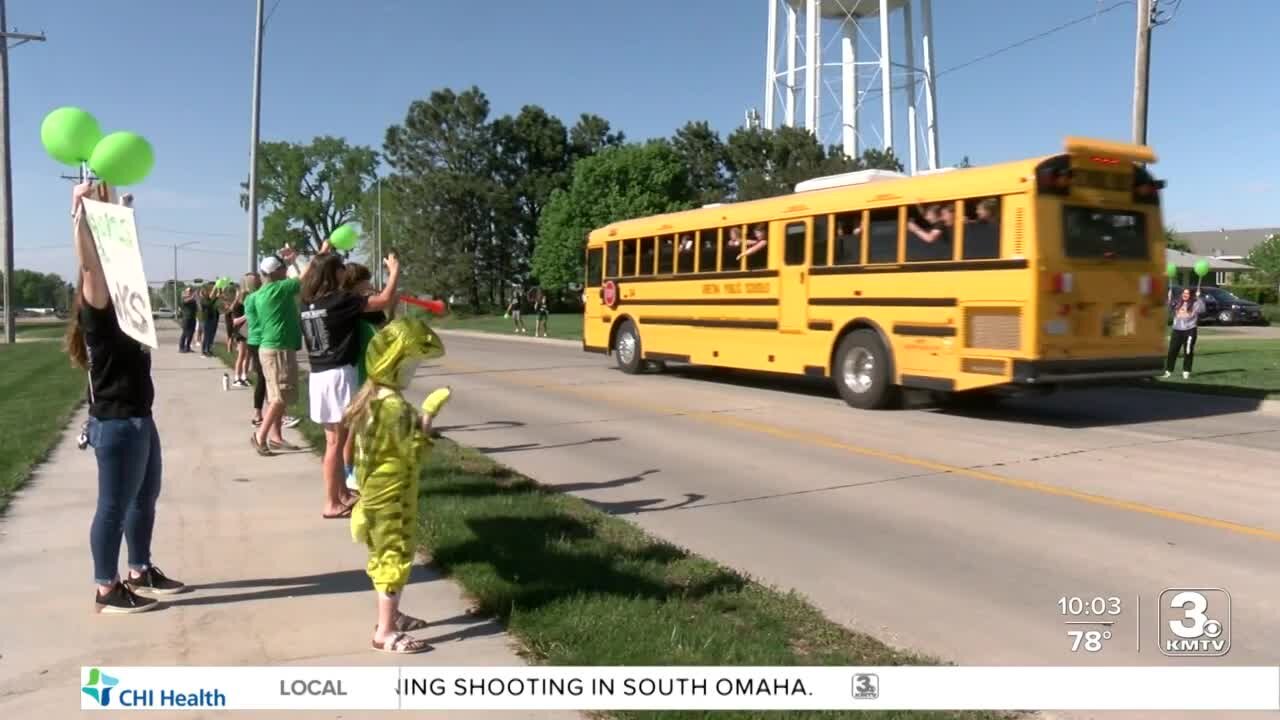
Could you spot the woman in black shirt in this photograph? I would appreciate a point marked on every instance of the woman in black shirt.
(209, 302)
(188, 320)
(122, 433)
(235, 338)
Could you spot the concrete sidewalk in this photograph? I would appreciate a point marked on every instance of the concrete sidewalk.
(273, 582)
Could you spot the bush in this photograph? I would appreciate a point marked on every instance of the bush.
(1271, 313)
(1261, 294)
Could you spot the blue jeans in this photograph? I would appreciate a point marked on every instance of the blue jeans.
(210, 332)
(128, 453)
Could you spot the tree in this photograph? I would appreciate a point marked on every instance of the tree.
(591, 135)
(533, 161)
(444, 162)
(616, 184)
(309, 190)
(703, 154)
(38, 290)
(1265, 260)
(1175, 242)
(767, 163)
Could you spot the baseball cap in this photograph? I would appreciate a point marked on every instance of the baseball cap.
(270, 264)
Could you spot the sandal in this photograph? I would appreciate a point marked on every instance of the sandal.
(286, 446)
(263, 450)
(401, 644)
(408, 623)
(345, 512)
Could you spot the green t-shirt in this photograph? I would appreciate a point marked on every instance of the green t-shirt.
(251, 319)
(276, 307)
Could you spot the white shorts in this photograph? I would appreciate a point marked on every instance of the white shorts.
(331, 393)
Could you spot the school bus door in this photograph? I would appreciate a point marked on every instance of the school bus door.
(793, 289)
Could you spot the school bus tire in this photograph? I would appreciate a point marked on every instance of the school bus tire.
(862, 371)
(627, 350)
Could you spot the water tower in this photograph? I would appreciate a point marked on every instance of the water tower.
(867, 68)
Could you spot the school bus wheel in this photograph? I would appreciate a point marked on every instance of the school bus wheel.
(861, 371)
(627, 350)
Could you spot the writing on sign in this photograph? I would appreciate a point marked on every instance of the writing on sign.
(116, 236)
(735, 288)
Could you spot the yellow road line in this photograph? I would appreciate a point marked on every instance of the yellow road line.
(819, 440)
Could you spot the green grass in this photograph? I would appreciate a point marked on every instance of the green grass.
(39, 391)
(577, 586)
(566, 326)
(44, 331)
(1244, 368)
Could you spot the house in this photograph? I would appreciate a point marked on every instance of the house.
(1221, 270)
(1224, 243)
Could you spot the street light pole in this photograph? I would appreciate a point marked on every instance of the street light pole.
(253, 142)
(6, 174)
(175, 273)
(1142, 70)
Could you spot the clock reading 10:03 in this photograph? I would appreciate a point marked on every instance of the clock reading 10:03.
(1075, 606)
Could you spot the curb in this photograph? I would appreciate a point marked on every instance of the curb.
(508, 338)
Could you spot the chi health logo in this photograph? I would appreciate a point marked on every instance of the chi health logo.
(99, 686)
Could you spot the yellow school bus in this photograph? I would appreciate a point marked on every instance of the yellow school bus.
(1033, 274)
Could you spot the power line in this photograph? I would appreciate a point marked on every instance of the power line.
(273, 12)
(1038, 36)
(199, 233)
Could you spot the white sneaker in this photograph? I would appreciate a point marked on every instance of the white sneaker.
(351, 481)
(1186, 375)
(1167, 373)
(290, 421)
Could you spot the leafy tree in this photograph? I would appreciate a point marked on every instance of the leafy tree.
(592, 134)
(616, 184)
(1174, 242)
(767, 163)
(1265, 260)
(38, 290)
(309, 190)
(533, 162)
(444, 161)
(703, 154)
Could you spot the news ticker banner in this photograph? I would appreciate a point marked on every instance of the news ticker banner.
(680, 688)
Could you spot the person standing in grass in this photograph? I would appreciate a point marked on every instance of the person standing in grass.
(541, 311)
(330, 320)
(121, 431)
(393, 439)
(1186, 316)
(515, 310)
(247, 326)
(189, 311)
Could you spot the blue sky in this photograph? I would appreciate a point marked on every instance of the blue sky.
(180, 72)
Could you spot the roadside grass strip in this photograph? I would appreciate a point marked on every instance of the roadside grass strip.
(39, 392)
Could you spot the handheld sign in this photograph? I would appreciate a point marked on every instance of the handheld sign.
(116, 237)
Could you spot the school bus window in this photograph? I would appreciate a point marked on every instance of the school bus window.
(793, 251)
(1095, 233)
(848, 239)
(931, 233)
(708, 250)
(820, 243)
(628, 258)
(646, 256)
(731, 245)
(685, 253)
(883, 242)
(666, 254)
(757, 250)
(595, 266)
(981, 229)
(611, 259)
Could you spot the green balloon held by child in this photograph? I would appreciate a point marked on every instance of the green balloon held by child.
(69, 135)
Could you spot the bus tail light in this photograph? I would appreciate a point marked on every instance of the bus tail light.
(1062, 283)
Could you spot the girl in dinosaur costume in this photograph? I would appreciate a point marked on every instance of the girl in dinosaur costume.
(393, 440)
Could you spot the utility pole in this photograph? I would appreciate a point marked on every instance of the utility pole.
(6, 175)
(1142, 69)
(253, 142)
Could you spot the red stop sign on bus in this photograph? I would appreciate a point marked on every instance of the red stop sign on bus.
(609, 294)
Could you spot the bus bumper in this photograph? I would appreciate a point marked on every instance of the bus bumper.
(1037, 372)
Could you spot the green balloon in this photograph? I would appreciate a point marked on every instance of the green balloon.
(122, 158)
(69, 135)
(1202, 267)
(344, 238)
(1171, 270)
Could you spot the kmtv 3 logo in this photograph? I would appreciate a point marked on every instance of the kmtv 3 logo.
(1195, 622)
(98, 686)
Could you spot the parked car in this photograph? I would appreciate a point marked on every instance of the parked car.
(162, 314)
(1223, 308)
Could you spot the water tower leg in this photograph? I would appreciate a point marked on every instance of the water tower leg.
(909, 38)
(886, 76)
(813, 65)
(930, 89)
(849, 85)
(771, 66)
(792, 40)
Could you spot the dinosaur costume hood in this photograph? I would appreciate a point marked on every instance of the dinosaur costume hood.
(399, 347)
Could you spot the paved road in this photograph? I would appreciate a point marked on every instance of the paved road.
(947, 532)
